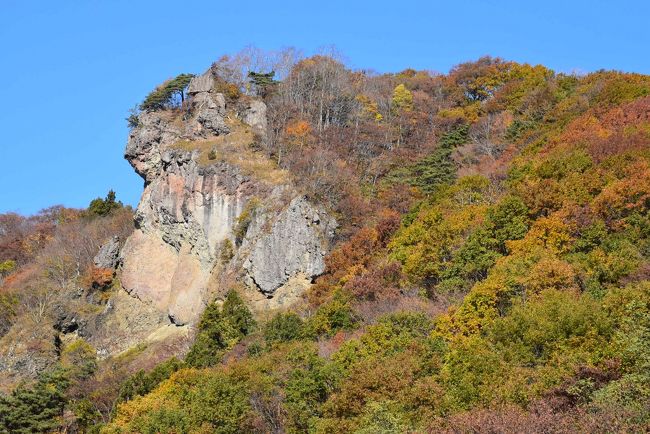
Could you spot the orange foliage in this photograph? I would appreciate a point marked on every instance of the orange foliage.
(626, 195)
(299, 133)
(99, 278)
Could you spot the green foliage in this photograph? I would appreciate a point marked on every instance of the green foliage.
(438, 169)
(308, 386)
(166, 94)
(263, 82)
(456, 137)
(7, 267)
(102, 207)
(236, 313)
(227, 251)
(190, 401)
(142, 382)
(38, 408)
(434, 171)
(331, 317)
(80, 359)
(219, 329)
(283, 327)
(508, 220)
(382, 418)
(132, 119)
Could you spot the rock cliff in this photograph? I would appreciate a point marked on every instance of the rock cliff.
(204, 214)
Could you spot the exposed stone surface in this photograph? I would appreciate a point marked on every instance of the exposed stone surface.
(255, 116)
(201, 83)
(296, 243)
(108, 254)
(210, 110)
(145, 141)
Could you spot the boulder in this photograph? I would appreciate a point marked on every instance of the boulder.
(296, 244)
(255, 116)
(201, 83)
(108, 254)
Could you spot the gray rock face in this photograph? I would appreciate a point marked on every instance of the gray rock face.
(145, 142)
(210, 111)
(108, 254)
(201, 83)
(296, 243)
(255, 116)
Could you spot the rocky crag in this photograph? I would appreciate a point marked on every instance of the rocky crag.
(204, 219)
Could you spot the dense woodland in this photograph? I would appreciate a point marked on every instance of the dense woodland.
(491, 272)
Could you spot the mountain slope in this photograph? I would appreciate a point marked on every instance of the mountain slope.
(489, 274)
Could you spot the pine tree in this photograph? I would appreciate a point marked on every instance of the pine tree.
(438, 169)
(263, 82)
(102, 207)
(167, 94)
(237, 313)
(35, 409)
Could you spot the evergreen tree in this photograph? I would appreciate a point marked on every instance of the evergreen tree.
(237, 314)
(219, 330)
(263, 82)
(167, 94)
(439, 169)
(35, 409)
(102, 207)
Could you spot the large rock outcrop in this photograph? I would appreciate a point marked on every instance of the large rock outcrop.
(190, 209)
(293, 245)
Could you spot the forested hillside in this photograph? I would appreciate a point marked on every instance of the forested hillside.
(490, 273)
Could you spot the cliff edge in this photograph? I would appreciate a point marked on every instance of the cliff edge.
(213, 209)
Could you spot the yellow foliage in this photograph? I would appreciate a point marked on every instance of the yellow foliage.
(551, 233)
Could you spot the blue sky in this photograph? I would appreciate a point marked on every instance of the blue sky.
(71, 69)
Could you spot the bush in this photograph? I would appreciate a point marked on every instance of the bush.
(80, 358)
(283, 327)
(227, 251)
(331, 317)
(141, 383)
(219, 330)
(244, 220)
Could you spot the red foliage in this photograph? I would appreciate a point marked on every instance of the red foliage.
(99, 278)
(380, 282)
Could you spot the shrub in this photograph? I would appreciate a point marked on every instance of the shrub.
(7, 267)
(227, 251)
(244, 220)
(331, 317)
(141, 383)
(80, 358)
(283, 327)
(219, 330)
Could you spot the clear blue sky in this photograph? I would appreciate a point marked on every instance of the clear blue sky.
(71, 69)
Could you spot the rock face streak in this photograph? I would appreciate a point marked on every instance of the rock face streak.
(188, 211)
